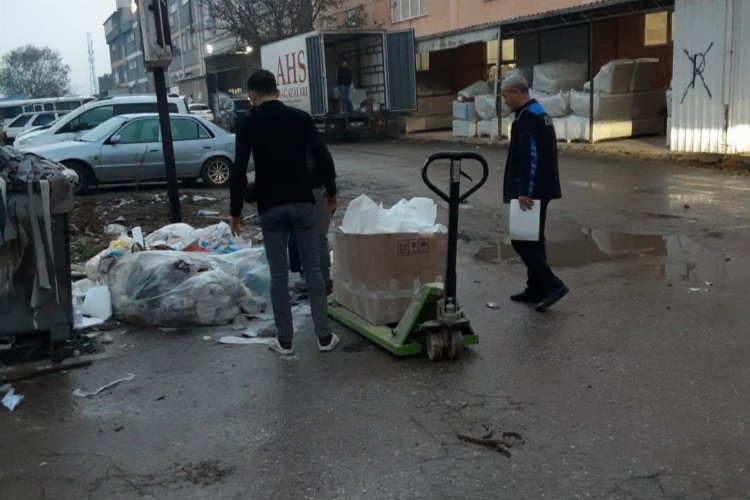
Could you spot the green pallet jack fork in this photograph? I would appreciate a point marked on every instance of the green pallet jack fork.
(434, 321)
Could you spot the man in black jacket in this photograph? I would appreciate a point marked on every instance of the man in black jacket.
(344, 81)
(279, 138)
(531, 173)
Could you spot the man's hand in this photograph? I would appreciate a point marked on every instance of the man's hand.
(236, 224)
(331, 204)
(525, 203)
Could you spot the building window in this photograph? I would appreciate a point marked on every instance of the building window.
(403, 10)
(423, 61)
(657, 28)
(509, 57)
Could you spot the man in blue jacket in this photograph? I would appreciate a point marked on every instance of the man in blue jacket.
(531, 173)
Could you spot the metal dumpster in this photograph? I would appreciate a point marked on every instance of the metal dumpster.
(35, 281)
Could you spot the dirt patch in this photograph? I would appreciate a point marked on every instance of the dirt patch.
(147, 207)
(204, 473)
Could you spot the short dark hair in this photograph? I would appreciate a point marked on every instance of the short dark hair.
(262, 82)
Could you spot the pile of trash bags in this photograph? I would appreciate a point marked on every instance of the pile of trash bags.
(179, 276)
(16, 166)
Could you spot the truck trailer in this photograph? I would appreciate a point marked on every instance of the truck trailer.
(384, 78)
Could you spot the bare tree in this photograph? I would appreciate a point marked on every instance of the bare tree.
(258, 22)
(34, 72)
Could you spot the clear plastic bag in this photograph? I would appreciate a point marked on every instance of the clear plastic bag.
(165, 288)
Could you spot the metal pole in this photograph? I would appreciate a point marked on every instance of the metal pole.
(498, 60)
(453, 204)
(591, 80)
(166, 143)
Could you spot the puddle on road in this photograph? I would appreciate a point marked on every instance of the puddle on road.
(684, 262)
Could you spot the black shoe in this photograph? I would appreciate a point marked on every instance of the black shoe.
(526, 297)
(552, 298)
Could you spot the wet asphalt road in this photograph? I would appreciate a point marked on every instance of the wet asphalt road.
(636, 385)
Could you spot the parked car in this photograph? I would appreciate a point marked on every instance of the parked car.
(127, 148)
(85, 118)
(30, 121)
(203, 111)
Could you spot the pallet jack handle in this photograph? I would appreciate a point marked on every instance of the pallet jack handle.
(454, 198)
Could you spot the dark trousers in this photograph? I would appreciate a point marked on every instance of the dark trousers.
(540, 278)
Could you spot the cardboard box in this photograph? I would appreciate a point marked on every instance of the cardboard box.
(376, 275)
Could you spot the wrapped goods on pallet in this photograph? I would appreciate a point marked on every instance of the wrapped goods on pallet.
(489, 128)
(555, 105)
(560, 75)
(465, 111)
(614, 77)
(486, 106)
(645, 74)
(477, 88)
(463, 128)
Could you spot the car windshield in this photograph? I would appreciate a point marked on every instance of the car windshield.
(102, 131)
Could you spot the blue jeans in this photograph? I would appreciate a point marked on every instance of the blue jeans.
(277, 224)
(344, 98)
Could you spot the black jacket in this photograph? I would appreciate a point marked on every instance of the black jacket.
(531, 168)
(344, 76)
(280, 138)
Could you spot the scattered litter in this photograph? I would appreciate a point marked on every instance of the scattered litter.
(240, 323)
(42, 464)
(206, 337)
(115, 230)
(5, 388)
(203, 198)
(503, 445)
(493, 305)
(161, 398)
(121, 203)
(11, 400)
(694, 289)
(106, 339)
(80, 393)
(261, 328)
(207, 213)
(234, 340)
(708, 283)
(97, 303)
(120, 219)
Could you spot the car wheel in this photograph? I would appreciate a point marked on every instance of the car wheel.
(85, 176)
(216, 171)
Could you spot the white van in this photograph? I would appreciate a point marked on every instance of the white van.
(85, 118)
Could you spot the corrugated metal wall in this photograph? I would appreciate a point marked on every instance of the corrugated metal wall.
(738, 135)
(698, 76)
(711, 80)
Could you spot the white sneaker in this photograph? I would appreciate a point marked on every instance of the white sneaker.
(276, 347)
(331, 345)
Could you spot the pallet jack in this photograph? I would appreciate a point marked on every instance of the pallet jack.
(434, 321)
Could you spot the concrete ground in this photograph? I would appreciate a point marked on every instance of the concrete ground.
(636, 385)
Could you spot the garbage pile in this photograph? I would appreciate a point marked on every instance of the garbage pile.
(16, 166)
(179, 276)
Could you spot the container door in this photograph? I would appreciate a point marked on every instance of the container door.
(402, 79)
(316, 74)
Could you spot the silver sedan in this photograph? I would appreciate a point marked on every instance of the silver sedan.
(127, 148)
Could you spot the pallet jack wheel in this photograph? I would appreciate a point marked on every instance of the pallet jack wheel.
(435, 346)
(455, 345)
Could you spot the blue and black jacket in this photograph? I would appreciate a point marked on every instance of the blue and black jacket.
(531, 168)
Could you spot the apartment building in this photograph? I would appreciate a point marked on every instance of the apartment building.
(126, 57)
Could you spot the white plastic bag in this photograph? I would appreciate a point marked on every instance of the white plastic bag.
(560, 75)
(364, 216)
